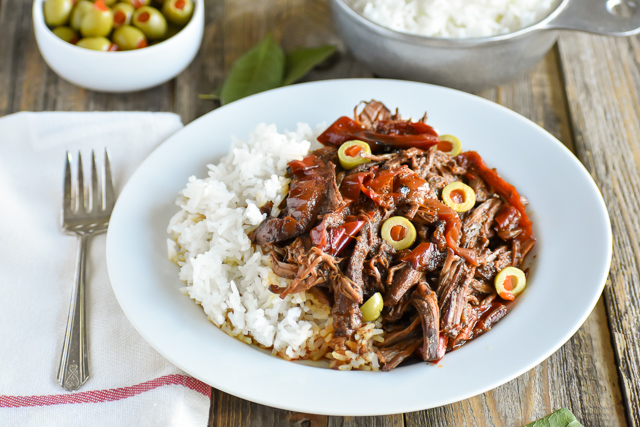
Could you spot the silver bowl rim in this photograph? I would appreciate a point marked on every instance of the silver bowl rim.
(543, 24)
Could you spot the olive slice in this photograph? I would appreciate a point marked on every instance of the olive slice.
(372, 308)
(510, 283)
(399, 232)
(459, 196)
(450, 145)
(349, 154)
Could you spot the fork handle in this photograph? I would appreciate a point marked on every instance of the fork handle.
(73, 370)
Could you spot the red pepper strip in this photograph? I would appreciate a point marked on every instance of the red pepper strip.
(305, 167)
(351, 186)
(350, 229)
(419, 257)
(506, 190)
(334, 240)
(451, 229)
(346, 129)
(379, 188)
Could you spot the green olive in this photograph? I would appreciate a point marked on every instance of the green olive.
(129, 38)
(372, 308)
(98, 21)
(510, 283)
(349, 153)
(459, 197)
(178, 11)
(110, 2)
(399, 232)
(80, 9)
(95, 43)
(57, 12)
(67, 34)
(122, 13)
(452, 144)
(150, 21)
(137, 4)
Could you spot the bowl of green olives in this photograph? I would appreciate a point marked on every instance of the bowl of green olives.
(118, 45)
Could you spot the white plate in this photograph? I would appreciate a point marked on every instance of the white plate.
(567, 275)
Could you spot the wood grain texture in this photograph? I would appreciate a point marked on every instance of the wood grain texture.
(602, 81)
(585, 93)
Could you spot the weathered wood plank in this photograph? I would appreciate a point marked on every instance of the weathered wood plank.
(602, 79)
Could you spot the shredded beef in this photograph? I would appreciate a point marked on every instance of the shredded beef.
(438, 292)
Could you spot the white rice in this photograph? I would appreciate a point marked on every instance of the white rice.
(223, 272)
(455, 18)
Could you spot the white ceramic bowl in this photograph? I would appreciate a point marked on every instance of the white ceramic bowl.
(124, 71)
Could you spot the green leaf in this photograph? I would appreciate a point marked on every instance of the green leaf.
(259, 69)
(560, 418)
(300, 62)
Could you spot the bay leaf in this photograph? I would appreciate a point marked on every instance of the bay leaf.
(259, 69)
(299, 62)
(560, 418)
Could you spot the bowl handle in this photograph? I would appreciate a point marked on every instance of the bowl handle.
(607, 17)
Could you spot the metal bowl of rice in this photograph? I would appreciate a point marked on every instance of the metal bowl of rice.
(452, 44)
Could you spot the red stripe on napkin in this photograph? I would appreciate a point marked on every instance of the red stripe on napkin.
(110, 395)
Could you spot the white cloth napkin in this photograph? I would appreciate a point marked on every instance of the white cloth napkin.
(130, 384)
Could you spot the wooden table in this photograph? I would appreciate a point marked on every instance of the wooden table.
(585, 92)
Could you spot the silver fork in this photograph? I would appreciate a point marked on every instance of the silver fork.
(85, 212)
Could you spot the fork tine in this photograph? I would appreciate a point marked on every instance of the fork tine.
(96, 203)
(68, 199)
(109, 193)
(81, 206)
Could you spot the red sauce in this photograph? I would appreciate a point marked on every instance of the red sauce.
(383, 187)
(387, 134)
(419, 257)
(506, 190)
(451, 229)
(398, 233)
